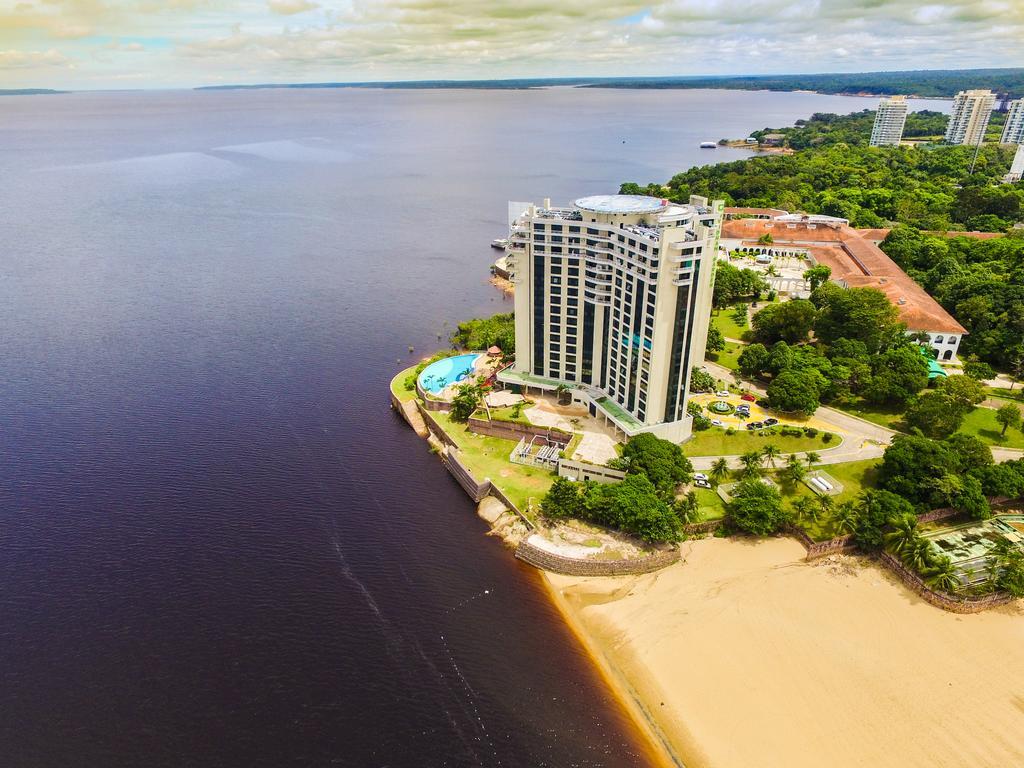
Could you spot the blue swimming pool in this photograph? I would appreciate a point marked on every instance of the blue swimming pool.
(439, 375)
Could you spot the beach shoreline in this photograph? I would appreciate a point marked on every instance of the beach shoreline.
(746, 654)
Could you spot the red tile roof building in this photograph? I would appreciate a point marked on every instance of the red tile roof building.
(856, 261)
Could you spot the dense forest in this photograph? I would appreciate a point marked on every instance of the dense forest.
(928, 187)
(823, 129)
(925, 83)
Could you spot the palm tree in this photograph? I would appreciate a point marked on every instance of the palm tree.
(751, 462)
(826, 503)
(805, 507)
(919, 556)
(811, 458)
(688, 508)
(795, 469)
(943, 575)
(903, 536)
(770, 453)
(719, 470)
(846, 517)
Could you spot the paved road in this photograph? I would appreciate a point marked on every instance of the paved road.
(861, 439)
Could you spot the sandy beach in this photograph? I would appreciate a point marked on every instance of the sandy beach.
(745, 655)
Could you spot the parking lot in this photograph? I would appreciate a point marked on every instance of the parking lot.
(734, 419)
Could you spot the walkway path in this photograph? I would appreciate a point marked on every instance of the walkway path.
(862, 439)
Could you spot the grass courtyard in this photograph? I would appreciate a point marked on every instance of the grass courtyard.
(488, 457)
(398, 385)
(729, 357)
(716, 442)
(981, 422)
(723, 320)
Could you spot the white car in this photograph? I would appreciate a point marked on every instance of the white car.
(702, 483)
(723, 393)
(717, 423)
(699, 476)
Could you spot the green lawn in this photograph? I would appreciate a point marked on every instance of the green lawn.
(729, 357)
(981, 422)
(1016, 393)
(711, 505)
(398, 385)
(723, 320)
(876, 414)
(855, 477)
(487, 457)
(715, 442)
(507, 413)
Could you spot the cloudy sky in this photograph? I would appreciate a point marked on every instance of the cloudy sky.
(170, 43)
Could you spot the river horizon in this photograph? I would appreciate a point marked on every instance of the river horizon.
(220, 546)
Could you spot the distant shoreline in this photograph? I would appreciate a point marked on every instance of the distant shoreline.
(924, 84)
(28, 91)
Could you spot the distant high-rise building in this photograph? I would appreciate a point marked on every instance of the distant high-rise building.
(1013, 130)
(1017, 168)
(969, 118)
(613, 300)
(889, 121)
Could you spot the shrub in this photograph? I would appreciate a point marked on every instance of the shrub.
(810, 431)
(826, 437)
(756, 508)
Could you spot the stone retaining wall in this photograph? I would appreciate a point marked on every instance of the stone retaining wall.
(428, 402)
(940, 599)
(568, 566)
(410, 413)
(511, 430)
(434, 427)
(707, 526)
(475, 489)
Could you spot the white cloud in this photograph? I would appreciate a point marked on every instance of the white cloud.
(13, 59)
(264, 40)
(290, 7)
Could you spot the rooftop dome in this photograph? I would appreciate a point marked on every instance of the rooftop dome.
(621, 204)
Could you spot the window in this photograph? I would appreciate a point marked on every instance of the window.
(951, 340)
(938, 339)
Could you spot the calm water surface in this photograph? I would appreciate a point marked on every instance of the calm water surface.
(218, 547)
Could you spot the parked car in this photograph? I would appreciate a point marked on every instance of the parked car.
(702, 483)
(722, 393)
(699, 476)
(755, 425)
(749, 398)
(742, 409)
(770, 422)
(717, 423)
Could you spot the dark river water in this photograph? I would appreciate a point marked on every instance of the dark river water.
(218, 547)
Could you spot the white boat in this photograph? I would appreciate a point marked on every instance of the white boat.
(708, 145)
(499, 242)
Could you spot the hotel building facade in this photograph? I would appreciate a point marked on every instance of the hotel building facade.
(613, 301)
(970, 116)
(1013, 129)
(890, 119)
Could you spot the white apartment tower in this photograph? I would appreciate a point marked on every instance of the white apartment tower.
(1016, 167)
(613, 300)
(889, 121)
(1013, 130)
(969, 118)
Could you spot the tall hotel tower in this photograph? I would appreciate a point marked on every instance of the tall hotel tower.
(613, 300)
(889, 121)
(1013, 130)
(969, 118)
